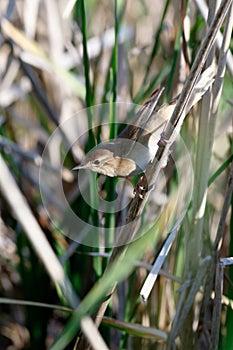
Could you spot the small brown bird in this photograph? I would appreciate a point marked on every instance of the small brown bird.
(136, 146)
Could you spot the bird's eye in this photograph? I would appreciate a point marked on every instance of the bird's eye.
(96, 162)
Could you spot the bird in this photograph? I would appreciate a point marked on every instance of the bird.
(135, 147)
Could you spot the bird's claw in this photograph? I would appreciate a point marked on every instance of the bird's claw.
(139, 189)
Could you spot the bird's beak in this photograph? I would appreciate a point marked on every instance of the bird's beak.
(77, 167)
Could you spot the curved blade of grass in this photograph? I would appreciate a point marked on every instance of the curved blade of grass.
(136, 329)
(151, 278)
(220, 170)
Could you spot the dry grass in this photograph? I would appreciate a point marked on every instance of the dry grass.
(53, 64)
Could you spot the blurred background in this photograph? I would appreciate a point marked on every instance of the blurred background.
(57, 58)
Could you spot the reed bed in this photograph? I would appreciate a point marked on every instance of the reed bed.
(68, 69)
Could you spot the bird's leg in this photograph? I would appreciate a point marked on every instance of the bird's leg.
(140, 188)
